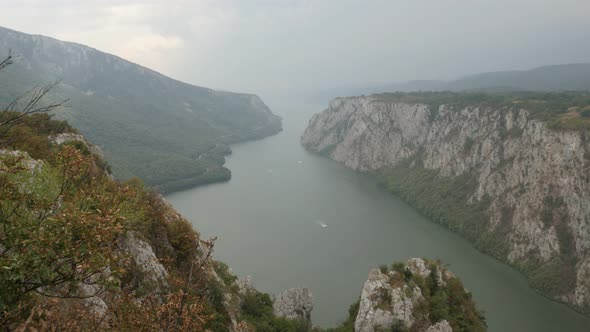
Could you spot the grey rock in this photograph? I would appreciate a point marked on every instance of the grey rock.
(388, 300)
(294, 303)
(153, 274)
(383, 306)
(442, 326)
(245, 284)
(62, 138)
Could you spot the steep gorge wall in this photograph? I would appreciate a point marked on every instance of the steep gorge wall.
(533, 181)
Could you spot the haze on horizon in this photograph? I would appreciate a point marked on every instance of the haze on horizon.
(281, 47)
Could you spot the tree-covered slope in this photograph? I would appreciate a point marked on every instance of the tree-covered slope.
(168, 133)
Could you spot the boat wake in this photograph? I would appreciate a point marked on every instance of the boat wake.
(321, 223)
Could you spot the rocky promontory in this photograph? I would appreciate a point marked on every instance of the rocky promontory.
(419, 295)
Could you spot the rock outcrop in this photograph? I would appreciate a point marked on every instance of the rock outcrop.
(62, 138)
(534, 181)
(383, 306)
(401, 298)
(152, 277)
(442, 326)
(294, 303)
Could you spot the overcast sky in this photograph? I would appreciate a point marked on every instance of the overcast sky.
(291, 46)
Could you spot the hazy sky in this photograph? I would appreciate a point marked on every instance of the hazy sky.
(280, 46)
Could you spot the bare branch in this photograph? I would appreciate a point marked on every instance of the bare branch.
(26, 104)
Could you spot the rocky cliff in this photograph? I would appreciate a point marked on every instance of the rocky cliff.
(510, 181)
(419, 295)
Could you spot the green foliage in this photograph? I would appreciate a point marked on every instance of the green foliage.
(556, 277)
(210, 175)
(182, 238)
(224, 273)
(215, 293)
(31, 133)
(449, 301)
(170, 134)
(59, 225)
(445, 200)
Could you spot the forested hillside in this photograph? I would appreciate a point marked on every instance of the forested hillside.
(170, 134)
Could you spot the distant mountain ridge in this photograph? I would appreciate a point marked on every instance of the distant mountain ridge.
(169, 133)
(563, 77)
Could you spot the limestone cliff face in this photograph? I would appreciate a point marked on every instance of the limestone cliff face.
(294, 303)
(536, 180)
(395, 300)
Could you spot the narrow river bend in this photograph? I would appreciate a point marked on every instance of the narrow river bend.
(268, 219)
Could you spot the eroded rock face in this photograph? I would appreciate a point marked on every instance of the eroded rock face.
(93, 302)
(383, 306)
(294, 303)
(389, 299)
(536, 180)
(153, 277)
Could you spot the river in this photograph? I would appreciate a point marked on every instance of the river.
(268, 220)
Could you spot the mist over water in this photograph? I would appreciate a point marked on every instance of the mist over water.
(270, 222)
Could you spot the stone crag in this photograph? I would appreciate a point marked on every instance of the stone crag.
(534, 180)
(396, 300)
(294, 303)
